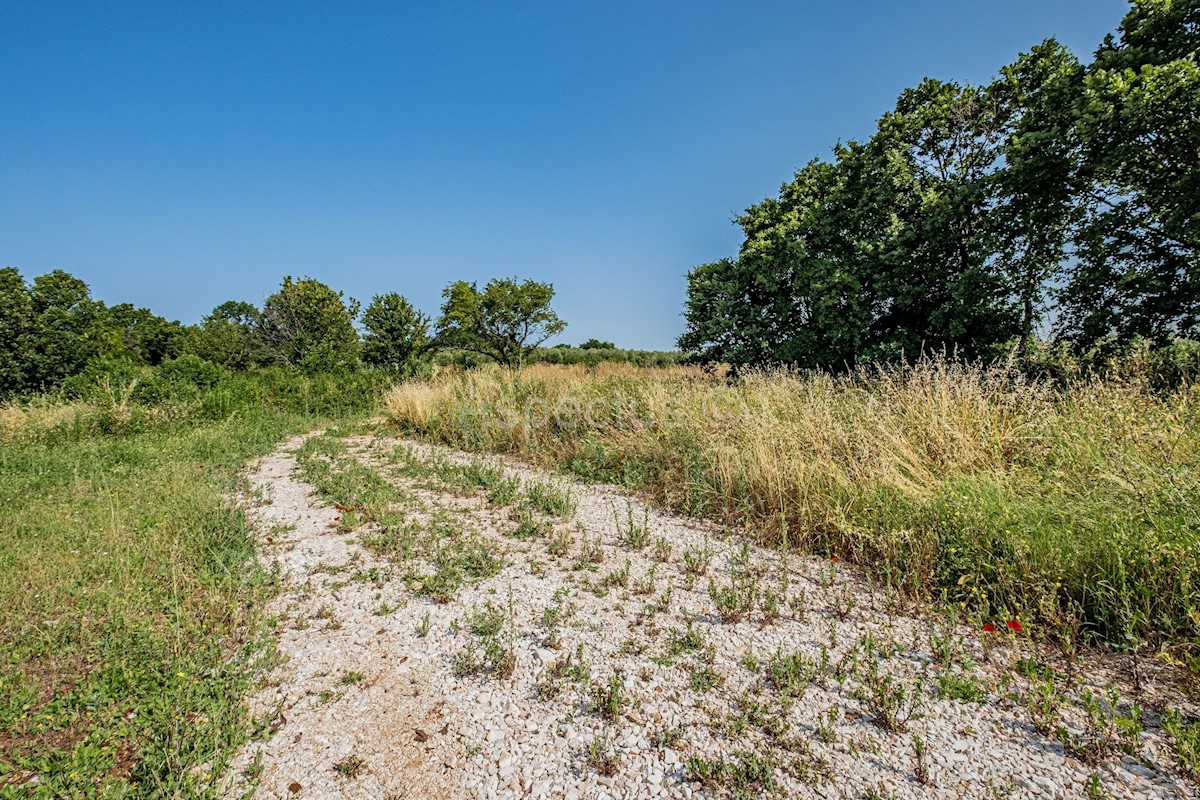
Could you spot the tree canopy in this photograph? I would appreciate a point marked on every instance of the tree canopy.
(1059, 199)
(504, 322)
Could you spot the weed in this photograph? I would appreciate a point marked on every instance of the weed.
(705, 678)
(1184, 741)
(351, 678)
(921, 766)
(695, 562)
(735, 601)
(350, 766)
(552, 499)
(960, 686)
(746, 775)
(662, 550)
(618, 577)
(633, 533)
(892, 701)
(1104, 728)
(791, 675)
(495, 651)
(560, 545)
(825, 723)
(602, 759)
(609, 699)
(529, 525)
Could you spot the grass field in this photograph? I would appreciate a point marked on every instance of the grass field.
(1074, 510)
(132, 603)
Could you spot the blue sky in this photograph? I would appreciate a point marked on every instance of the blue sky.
(178, 155)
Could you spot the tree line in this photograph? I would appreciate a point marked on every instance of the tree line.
(1061, 202)
(52, 330)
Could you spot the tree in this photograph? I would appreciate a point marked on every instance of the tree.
(397, 335)
(505, 322)
(1034, 193)
(16, 323)
(595, 344)
(227, 336)
(67, 329)
(1138, 267)
(140, 335)
(308, 325)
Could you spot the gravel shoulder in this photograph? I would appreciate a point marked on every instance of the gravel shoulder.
(618, 651)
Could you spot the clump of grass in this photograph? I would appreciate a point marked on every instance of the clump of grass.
(494, 652)
(1002, 492)
(552, 499)
(734, 601)
(609, 699)
(632, 532)
(746, 774)
(350, 766)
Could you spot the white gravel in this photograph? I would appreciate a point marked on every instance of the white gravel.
(359, 687)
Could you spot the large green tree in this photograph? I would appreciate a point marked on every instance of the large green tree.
(308, 325)
(16, 324)
(505, 321)
(396, 334)
(228, 335)
(67, 331)
(1138, 267)
(1034, 194)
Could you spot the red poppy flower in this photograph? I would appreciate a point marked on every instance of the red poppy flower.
(989, 628)
(836, 559)
(269, 540)
(1015, 625)
(337, 519)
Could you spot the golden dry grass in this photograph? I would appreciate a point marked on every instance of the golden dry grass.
(1079, 505)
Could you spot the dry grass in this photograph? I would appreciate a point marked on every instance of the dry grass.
(1075, 506)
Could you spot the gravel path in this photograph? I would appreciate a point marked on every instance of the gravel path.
(597, 664)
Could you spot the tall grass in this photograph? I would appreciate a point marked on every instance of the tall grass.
(1074, 506)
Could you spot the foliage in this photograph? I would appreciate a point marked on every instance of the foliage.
(51, 329)
(397, 335)
(308, 325)
(1058, 197)
(504, 322)
(227, 335)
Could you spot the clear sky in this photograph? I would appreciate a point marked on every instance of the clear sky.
(176, 155)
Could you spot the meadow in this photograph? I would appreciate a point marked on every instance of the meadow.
(132, 625)
(1068, 507)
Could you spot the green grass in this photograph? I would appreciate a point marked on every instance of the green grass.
(132, 627)
(131, 608)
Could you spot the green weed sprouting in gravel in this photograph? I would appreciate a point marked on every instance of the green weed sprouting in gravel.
(552, 499)
(792, 674)
(734, 601)
(350, 766)
(529, 525)
(1105, 729)
(494, 652)
(892, 701)
(695, 562)
(1184, 741)
(746, 775)
(609, 699)
(602, 759)
(632, 533)
(951, 685)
